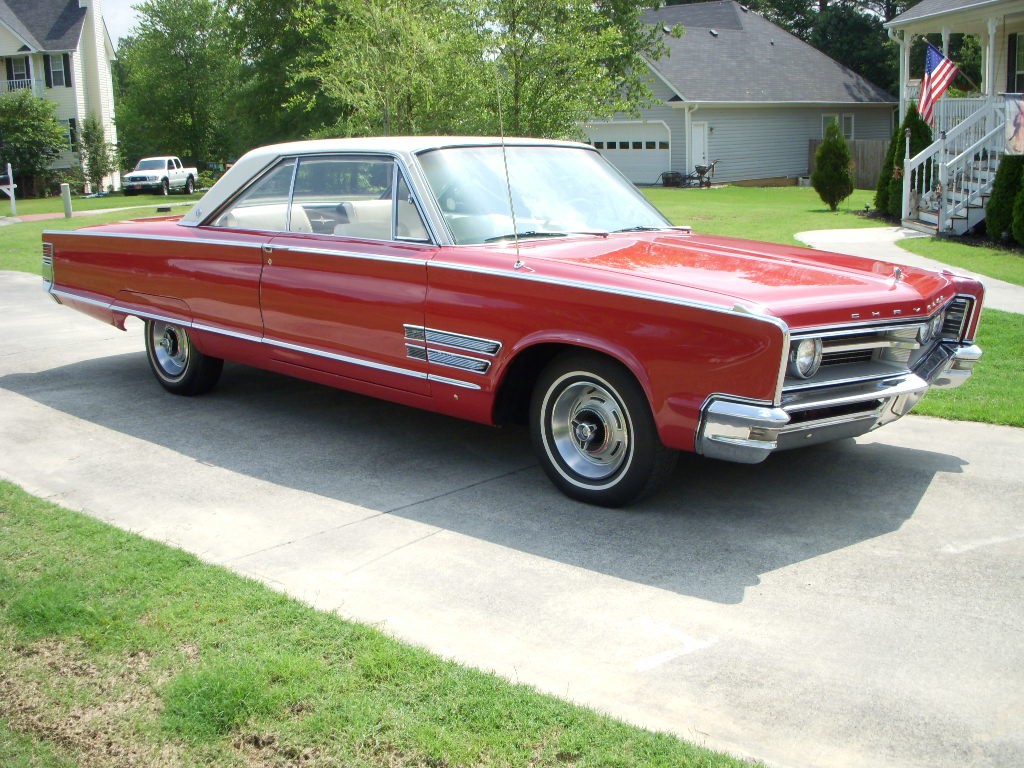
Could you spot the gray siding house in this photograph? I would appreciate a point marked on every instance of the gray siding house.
(741, 90)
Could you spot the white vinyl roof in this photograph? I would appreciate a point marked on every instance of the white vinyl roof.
(404, 147)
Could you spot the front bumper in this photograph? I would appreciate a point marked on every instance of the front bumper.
(745, 432)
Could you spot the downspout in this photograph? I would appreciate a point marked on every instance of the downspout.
(904, 71)
(690, 109)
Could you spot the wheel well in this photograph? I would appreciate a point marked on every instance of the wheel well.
(512, 404)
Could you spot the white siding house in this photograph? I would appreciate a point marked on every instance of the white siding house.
(741, 90)
(61, 51)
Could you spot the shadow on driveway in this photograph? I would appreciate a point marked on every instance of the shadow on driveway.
(710, 534)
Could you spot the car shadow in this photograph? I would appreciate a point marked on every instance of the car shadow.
(711, 533)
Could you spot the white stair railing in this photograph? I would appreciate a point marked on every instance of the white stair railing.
(956, 169)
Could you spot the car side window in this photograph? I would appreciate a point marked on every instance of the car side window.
(264, 204)
(410, 224)
(346, 195)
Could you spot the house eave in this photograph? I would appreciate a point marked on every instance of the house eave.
(742, 104)
(972, 11)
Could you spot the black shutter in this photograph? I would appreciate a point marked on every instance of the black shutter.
(73, 131)
(1011, 64)
(10, 69)
(46, 71)
(67, 70)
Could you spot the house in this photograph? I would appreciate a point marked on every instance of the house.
(61, 51)
(739, 89)
(947, 185)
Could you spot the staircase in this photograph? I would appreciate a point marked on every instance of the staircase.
(946, 185)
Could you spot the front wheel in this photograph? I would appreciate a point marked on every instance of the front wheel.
(190, 186)
(593, 432)
(177, 364)
(165, 188)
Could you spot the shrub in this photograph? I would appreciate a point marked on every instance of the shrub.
(833, 174)
(999, 212)
(882, 189)
(920, 138)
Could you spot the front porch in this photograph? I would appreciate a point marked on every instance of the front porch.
(946, 186)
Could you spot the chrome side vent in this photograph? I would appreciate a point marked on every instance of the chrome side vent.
(957, 313)
(47, 268)
(427, 340)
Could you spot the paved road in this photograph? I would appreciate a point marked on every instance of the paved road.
(859, 604)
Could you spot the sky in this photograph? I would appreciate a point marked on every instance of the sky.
(120, 17)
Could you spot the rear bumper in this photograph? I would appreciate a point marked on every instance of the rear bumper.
(745, 432)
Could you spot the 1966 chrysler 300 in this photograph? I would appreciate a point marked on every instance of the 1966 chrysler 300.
(523, 280)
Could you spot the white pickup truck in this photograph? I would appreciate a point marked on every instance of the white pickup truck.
(161, 175)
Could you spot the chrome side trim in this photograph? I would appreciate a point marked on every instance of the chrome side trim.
(447, 359)
(451, 339)
(269, 341)
(292, 247)
(84, 299)
(190, 240)
(583, 285)
(343, 358)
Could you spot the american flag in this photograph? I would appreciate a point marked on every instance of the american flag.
(938, 74)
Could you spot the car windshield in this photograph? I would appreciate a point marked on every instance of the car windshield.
(553, 191)
(150, 165)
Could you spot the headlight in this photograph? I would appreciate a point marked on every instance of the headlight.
(931, 328)
(936, 323)
(804, 358)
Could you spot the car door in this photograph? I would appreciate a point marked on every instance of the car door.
(347, 275)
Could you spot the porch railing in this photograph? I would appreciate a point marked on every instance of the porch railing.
(956, 169)
(8, 86)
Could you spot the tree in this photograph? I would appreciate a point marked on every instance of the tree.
(833, 173)
(390, 66)
(99, 157)
(858, 41)
(175, 76)
(31, 138)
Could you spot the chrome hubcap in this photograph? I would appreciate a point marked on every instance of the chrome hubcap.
(590, 430)
(170, 348)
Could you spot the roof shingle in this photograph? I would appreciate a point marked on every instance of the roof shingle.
(46, 25)
(734, 55)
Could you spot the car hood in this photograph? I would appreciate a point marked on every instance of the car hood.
(800, 285)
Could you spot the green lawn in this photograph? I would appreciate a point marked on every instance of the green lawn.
(1000, 263)
(117, 200)
(113, 646)
(774, 214)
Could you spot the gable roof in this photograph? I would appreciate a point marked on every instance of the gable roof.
(733, 55)
(44, 25)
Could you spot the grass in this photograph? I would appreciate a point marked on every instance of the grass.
(122, 651)
(21, 247)
(774, 214)
(117, 200)
(1000, 263)
(995, 393)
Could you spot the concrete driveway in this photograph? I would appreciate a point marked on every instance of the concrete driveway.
(858, 604)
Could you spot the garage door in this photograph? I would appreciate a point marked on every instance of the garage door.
(639, 150)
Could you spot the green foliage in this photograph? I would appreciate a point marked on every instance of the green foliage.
(859, 41)
(882, 189)
(99, 157)
(174, 82)
(1001, 263)
(999, 209)
(833, 168)
(32, 137)
(920, 137)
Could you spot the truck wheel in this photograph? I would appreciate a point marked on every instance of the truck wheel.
(190, 185)
(165, 187)
(593, 432)
(177, 364)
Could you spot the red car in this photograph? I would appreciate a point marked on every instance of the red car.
(522, 280)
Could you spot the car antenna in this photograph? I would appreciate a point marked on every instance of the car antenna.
(520, 264)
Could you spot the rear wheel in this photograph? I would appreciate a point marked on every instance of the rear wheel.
(593, 432)
(190, 186)
(177, 364)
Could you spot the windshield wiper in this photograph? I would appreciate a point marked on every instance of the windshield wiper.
(524, 235)
(639, 229)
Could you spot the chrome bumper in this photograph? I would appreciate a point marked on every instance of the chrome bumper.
(747, 432)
